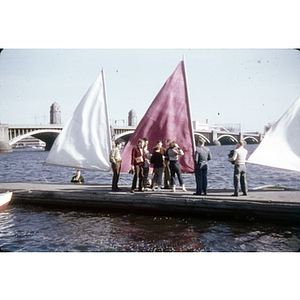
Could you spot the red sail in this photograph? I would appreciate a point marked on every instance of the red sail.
(168, 117)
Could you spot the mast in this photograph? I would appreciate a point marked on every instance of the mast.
(106, 107)
(189, 106)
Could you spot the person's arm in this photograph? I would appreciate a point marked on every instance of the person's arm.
(234, 156)
(209, 157)
(178, 151)
(112, 156)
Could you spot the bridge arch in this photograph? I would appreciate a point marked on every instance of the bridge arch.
(46, 135)
(227, 139)
(198, 136)
(124, 137)
(251, 140)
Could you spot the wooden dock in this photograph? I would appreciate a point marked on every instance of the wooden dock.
(273, 204)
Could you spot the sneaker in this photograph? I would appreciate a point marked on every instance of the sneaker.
(174, 188)
(159, 189)
(183, 189)
(153, 189)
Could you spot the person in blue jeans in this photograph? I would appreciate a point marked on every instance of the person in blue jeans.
(202, 156)
(173, 153)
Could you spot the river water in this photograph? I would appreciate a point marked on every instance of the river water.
(25, 228)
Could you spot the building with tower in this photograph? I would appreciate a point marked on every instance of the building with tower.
(132, 118)
(55, 114)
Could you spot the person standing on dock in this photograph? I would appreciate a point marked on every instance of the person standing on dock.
(173, 152)
(162, 150)
(158, 164)
(147, 163)
(239, 160)
(167, 172)
(202, 156)
(138, 157)
(78, 178)
(116, 161)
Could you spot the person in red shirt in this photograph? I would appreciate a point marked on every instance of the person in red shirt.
(138, 157)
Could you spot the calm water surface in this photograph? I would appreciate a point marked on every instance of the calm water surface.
(38, 229)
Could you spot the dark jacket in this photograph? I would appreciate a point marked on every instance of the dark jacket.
(202, 155)
(77, 181)
(157, 160)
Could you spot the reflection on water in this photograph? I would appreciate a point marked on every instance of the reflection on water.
(39, 229)
(35, 229)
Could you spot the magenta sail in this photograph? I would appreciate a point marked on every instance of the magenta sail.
(168, 117)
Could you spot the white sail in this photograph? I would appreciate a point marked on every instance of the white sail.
(85, 141)
(281, 146)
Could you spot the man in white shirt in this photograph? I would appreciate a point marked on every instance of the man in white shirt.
(239, 159)
(116, 160)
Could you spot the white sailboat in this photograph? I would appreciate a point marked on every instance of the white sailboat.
(85, 141)
(280, 147)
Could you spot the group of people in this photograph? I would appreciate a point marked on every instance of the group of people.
(165, 161)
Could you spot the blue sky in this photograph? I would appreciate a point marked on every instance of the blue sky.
(248, 86)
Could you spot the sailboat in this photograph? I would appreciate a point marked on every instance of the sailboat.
(168, 117)
(85, 141)
(5, 199)
(280, 148)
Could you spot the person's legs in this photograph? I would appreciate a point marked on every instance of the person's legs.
(198, 179)
(204, 179)
(141, 177)
(172, 170)
(243, 180)
(236, 179)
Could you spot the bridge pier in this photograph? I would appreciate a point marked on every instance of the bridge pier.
(241, 136)
(214, 138)
(4, 141)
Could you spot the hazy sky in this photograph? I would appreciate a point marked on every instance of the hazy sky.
(249, 86)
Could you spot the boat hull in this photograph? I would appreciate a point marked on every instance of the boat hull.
(5, 199)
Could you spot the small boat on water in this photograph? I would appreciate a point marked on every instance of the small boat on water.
(4, 199)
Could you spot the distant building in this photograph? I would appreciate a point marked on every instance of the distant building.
(55, 114)
(200, 126)
(132, 119)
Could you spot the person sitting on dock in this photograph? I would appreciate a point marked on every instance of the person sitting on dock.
(202, 156)
(116, 160)
(239, 159)
(78, 178)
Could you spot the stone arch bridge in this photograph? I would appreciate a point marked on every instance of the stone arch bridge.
(12, 134)
(211, 137)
